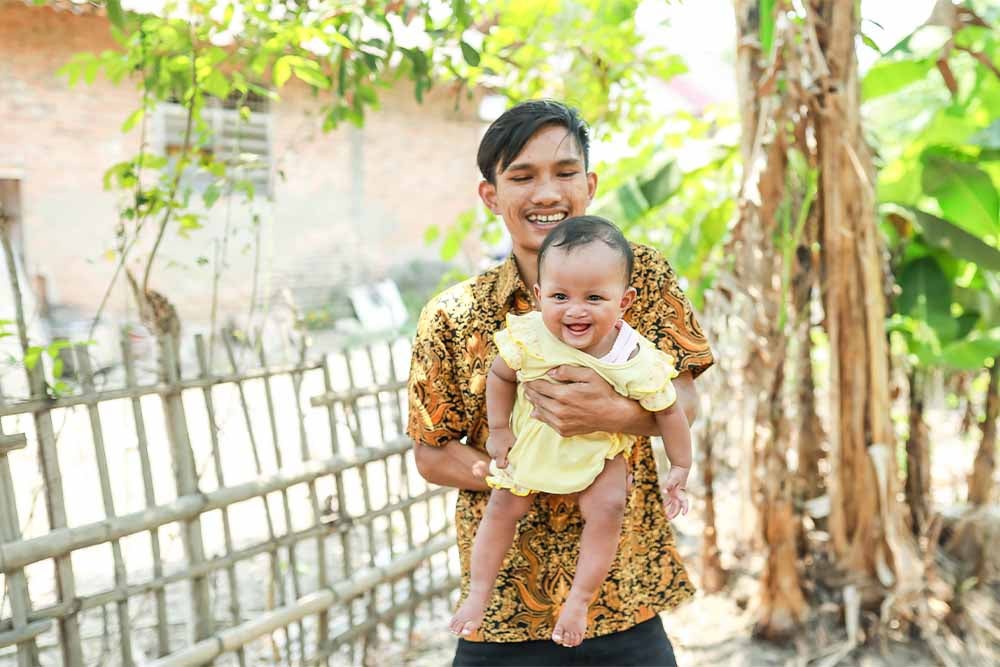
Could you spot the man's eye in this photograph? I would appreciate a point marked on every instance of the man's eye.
(520, 179)
(567, 174)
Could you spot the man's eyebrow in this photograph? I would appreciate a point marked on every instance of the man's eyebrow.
(565, 162)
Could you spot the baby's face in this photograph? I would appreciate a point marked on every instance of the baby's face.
(582, 294)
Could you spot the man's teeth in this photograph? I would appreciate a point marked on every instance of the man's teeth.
(547, 218)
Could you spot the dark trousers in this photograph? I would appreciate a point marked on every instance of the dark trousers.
(643, 645)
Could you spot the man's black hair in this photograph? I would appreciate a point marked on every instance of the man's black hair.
(583, 230)
(506, 136)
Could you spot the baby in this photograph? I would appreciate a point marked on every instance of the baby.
(584, 271)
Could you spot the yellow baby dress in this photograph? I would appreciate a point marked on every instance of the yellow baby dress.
(541, 459)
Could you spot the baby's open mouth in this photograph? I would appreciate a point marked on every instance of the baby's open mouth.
(578, 328)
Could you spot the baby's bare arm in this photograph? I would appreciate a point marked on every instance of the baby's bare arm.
(501, 389)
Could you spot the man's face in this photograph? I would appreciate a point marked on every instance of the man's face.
(545, 184)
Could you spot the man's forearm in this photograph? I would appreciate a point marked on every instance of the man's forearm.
(451, 465)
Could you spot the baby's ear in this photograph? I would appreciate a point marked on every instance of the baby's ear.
(628, 298)
(538, 293)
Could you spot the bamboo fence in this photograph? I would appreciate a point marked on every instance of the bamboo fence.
(291, 527)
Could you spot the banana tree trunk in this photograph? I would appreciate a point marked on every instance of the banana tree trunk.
(917, 458)
(867, 535)
(981, 487)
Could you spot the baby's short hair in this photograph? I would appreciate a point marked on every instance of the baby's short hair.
(583, 230)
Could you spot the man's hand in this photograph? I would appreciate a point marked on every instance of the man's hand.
(583, 402)
(499, 444)
(675, 499)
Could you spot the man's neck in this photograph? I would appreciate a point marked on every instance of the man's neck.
(527, 267)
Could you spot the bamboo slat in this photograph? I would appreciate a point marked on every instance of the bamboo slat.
(58, 542)
(10, 530)
(186, 478)
(293, 566)
(323, 619)
(85, 603)
(346, 555)
(220, 478)
(358, 434)
(100, 455)
(71, 644)
(241, 390)
(160, 596)
(361, 583)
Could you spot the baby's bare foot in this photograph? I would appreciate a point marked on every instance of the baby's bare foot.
(572, 623)
(469, 616)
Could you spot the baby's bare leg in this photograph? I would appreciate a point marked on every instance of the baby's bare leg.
(493, 540)
(603, 507)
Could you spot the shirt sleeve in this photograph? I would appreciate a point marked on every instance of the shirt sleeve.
(663, 314)
(436, 413)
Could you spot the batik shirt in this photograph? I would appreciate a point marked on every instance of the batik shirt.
(452, 354)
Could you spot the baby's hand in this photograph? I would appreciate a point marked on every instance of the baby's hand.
(674, 498)
(498, 444)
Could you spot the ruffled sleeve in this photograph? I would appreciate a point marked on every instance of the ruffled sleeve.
(518, 340)
(654, 389)
(508, 349)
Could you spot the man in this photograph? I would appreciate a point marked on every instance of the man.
(534, 162)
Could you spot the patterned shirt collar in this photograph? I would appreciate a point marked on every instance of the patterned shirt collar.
(511, 291)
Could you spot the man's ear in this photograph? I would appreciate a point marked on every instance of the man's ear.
(488, 193)
(591, 185)
(628, 298)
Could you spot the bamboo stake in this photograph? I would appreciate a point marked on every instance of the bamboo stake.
(323, 620)
(10, 530)
(292, 560)
(385, 471)
(69, 627)
(104, 478)
(186, 479)
(358, 434)
(346, 559)
(160, 599)
(362, 582)
(404, 483)
(275, 565)
(227, 533)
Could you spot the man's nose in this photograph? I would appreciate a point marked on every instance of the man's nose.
(546, 192)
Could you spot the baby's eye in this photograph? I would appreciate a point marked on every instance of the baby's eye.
(559, 297)
(595, 297)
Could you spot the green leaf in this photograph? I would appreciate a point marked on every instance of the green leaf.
(470, 54)
(32, 356)
(953, 239)
(888, 76)
(632, 201)
(313, 77)
(452, 244)
(765, 9)
(926, 296)
(133, 118)
(211, 195)
(216, 84)
(971, 353)
(663, 184)
(431, 234)
(282, 71)
(115, 15)
(965, 193)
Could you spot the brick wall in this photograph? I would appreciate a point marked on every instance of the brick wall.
(352, 205)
